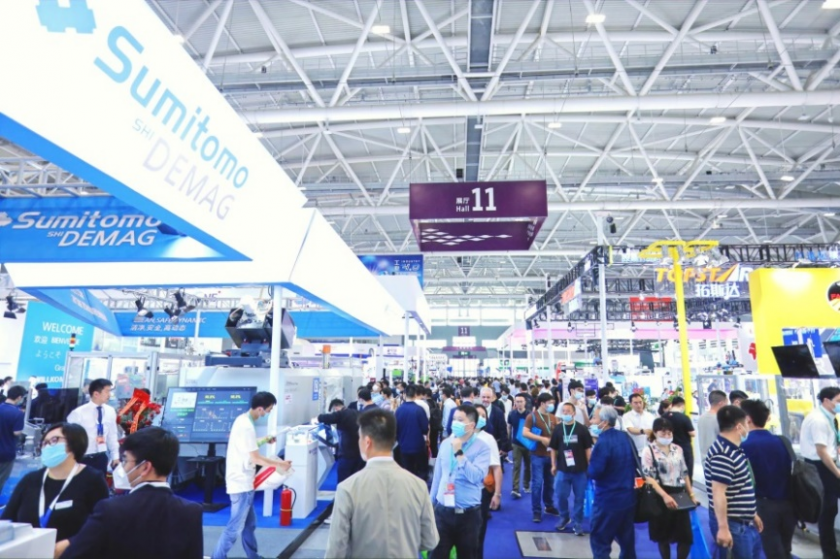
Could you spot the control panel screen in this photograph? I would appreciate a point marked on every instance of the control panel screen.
(205, 414)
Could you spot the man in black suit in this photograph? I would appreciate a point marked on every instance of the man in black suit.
(150, 521)
(349, 460)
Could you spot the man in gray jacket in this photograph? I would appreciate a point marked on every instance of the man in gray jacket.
(366, 525)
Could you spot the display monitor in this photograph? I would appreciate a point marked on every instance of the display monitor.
(795, 361)
(205, 414)
(832, 349)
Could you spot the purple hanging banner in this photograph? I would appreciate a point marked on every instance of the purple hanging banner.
(477, 216)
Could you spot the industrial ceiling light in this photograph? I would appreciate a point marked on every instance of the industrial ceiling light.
(596, 18)
(786, 178)
(829, 214)
(403, 130)
(657, 180)
(142, 311)
(831, 5)
(554, 125)
(173, 313)
(180, 39)
(183, 305)
(381, 29)
(717, 120)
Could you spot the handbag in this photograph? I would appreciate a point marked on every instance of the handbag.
(649, 504)
(527, 443)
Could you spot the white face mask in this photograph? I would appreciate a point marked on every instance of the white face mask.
(665, 441)
(121, 480)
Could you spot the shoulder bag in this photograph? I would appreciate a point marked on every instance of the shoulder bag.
(649, 504)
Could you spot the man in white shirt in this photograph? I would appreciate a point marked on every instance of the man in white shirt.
(489, 499)
(707, 425)
(100, 421)
(243, 457)
(818, 445)
(638, 422)
(447, 396)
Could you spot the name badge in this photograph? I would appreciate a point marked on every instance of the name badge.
(449, 495)
(573, 439)
(63, 505)
(570, 458)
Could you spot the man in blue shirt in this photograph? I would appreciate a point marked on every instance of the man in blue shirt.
(11, 426)
(771, 466)
(613, 468)
(462, 464)
(412, 430)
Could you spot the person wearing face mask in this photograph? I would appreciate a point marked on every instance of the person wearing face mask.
(684, 431)
(520, 454)
(365, 402)
(11, 428)
(733, 520)
(243, 457)
(462, 465)
(663, 465)
(151, 521)
(818, 444)
(4, 390)
(63, 493)
(100, 421)
(348, 461)
(577, 396)
(571, 449)
(591, 403)
(539, 426)
(361, 526)
(612, 466)
(491, 496)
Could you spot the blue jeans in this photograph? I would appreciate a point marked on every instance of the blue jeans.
(563, 484)
(610, 524)
(541, 483)
(242, 520)
(746, 541)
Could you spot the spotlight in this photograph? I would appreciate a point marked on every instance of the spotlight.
(264, 70)
(13, 308)
(738, 322)
(173, 313)
(142, 311)
(183, 306)
(536, 324)
(613, 229)
(633, 327)
(543, 316)
(676, 324)
(570, 327)
(707, 324)
(713, 50)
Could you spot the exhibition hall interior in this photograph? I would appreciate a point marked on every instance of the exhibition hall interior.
(485, 279)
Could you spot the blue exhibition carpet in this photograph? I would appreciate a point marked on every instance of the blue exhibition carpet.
(220, 518)
(515, 516)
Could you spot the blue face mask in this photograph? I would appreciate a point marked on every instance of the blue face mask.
(481, 423)
(459, 429)
(592, 401)
(595, 431)
(836, 408)
(549, 408)
(378, 398)
(745, 437)
(566, 418)
(53, 455)
(579, 395)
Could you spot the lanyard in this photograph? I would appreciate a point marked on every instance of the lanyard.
(831, 421)
(44, 516)
(454, 461)
(547, 424)
(567, 437)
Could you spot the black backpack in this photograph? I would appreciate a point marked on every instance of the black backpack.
(435, 417)
(805, 486)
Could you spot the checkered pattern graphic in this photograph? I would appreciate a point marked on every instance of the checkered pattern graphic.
(444, 238)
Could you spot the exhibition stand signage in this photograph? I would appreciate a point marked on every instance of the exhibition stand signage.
(81, 304)
(159, 136)
(709, 282)
(477, 216)
(394, 265)
(46, 341)
(91, 229)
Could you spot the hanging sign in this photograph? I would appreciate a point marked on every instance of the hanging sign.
(708, 282)
(46, 341)
(394, 265)
(477, 216)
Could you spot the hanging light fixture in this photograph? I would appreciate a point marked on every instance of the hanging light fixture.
(142, 311)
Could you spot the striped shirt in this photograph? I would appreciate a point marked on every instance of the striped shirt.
(727, 464)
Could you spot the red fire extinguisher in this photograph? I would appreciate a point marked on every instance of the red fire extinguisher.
(287, 503)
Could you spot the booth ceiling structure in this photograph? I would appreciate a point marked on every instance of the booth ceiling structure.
(710, 119)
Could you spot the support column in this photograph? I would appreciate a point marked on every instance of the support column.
(277, 386)
(531, 356)
(550, 346)
(379, 362)
(683, 327)
(405, 350)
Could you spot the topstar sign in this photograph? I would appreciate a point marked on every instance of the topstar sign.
(712, 282)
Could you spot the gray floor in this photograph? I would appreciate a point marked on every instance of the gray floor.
(270, 541)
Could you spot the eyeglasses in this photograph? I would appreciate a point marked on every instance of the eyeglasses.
(52, 441)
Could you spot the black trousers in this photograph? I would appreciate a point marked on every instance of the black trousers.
(486, 497)
(434, 437)
(98, 461)
(415, 462)
(831, 492)
(779, 521)
(348, 466)
(457, 530)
